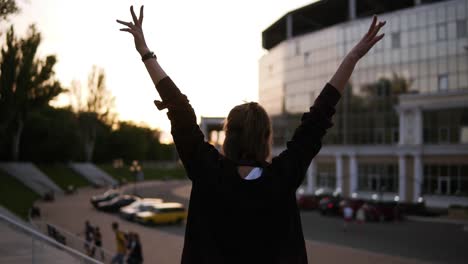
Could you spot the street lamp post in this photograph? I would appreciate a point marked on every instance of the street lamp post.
(136, 169)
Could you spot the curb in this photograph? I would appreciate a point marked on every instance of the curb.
(437, 220)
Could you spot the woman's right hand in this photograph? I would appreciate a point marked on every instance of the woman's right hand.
(135, 28)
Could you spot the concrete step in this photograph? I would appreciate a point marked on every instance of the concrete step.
(93, 174)
(31, 176)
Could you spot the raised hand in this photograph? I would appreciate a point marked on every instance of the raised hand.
(346, 68)
(135, 28)
(369, 40)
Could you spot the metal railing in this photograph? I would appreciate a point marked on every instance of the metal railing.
(26, 242)
(72, 240)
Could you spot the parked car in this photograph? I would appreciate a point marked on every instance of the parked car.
(107, 196)
(163, 213)
(115, 204)
(146, 204)
(381, 211)
(310, 201)
(330, 205)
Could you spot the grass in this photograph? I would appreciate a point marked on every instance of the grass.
(63, 176)
(15, 196)
(150, 173)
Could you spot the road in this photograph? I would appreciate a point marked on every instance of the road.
(405, 242)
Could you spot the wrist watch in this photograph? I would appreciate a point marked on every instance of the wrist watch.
(148, 55)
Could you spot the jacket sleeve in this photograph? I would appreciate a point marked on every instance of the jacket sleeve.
(195, 153)
(306, 142)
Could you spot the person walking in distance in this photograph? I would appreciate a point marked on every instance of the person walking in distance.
(243, 202)
(98, 242)
(135, 255)
(121, 245)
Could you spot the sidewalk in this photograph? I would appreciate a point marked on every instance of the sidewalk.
(440, 220)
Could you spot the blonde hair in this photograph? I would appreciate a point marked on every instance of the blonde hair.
(248, 132)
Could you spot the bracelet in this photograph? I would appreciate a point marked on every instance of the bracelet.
(148, 55)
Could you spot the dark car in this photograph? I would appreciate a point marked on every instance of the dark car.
(381, 211)
(115, 204)
(311, 200)
(107, 196)
(330, 205)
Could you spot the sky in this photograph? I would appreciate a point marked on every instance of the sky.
(210, 48)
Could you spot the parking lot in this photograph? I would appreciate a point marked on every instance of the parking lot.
(389, 242)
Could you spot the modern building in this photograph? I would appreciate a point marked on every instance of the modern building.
(401, 128)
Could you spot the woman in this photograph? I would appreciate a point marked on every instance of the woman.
(242, 208)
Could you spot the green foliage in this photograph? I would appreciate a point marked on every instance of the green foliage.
(15, 196)
(63, 176)
(51, 136)
(26, 84)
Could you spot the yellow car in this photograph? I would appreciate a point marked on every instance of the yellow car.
(163, 213)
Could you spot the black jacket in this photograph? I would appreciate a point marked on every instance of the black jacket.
(232, 220)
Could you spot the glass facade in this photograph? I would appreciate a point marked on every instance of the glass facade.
(326, 177)
(445, 126)
(446, 179)
(378, 177)
(402, 99)
(426, 45)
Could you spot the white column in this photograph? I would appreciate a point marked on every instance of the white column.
(402, 127)
(418, 177)
(339, 173)
(311, 176)
(353, 174)
(402, 177)
(352, 9)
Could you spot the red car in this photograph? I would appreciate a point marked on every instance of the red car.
(381, 211)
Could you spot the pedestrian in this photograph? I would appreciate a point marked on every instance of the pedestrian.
(361, 214)
(347, 215)
(242, 204)
(135, 255)
(89, 236)
(121, 244)
(98, 242)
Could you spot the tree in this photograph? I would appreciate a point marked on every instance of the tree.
(27, 83)
(94, 109)
(7, 7)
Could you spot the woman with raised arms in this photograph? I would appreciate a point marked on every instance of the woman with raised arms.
(242, 204)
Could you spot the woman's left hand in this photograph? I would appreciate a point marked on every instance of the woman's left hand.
(135, 28)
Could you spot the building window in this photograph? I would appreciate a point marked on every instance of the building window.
(444, 135)
(395, 135)
(445, 179)
(442, 31)
(326, 177)
(443, 82)
(461, 29)
(445, 126)
(396, 40)
(378, 177)
(464, 134)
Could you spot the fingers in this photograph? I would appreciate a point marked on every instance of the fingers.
(128, 24)
(140, 19)
(376, 29)
(377, 39)
(135, 19)
(374, 21)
